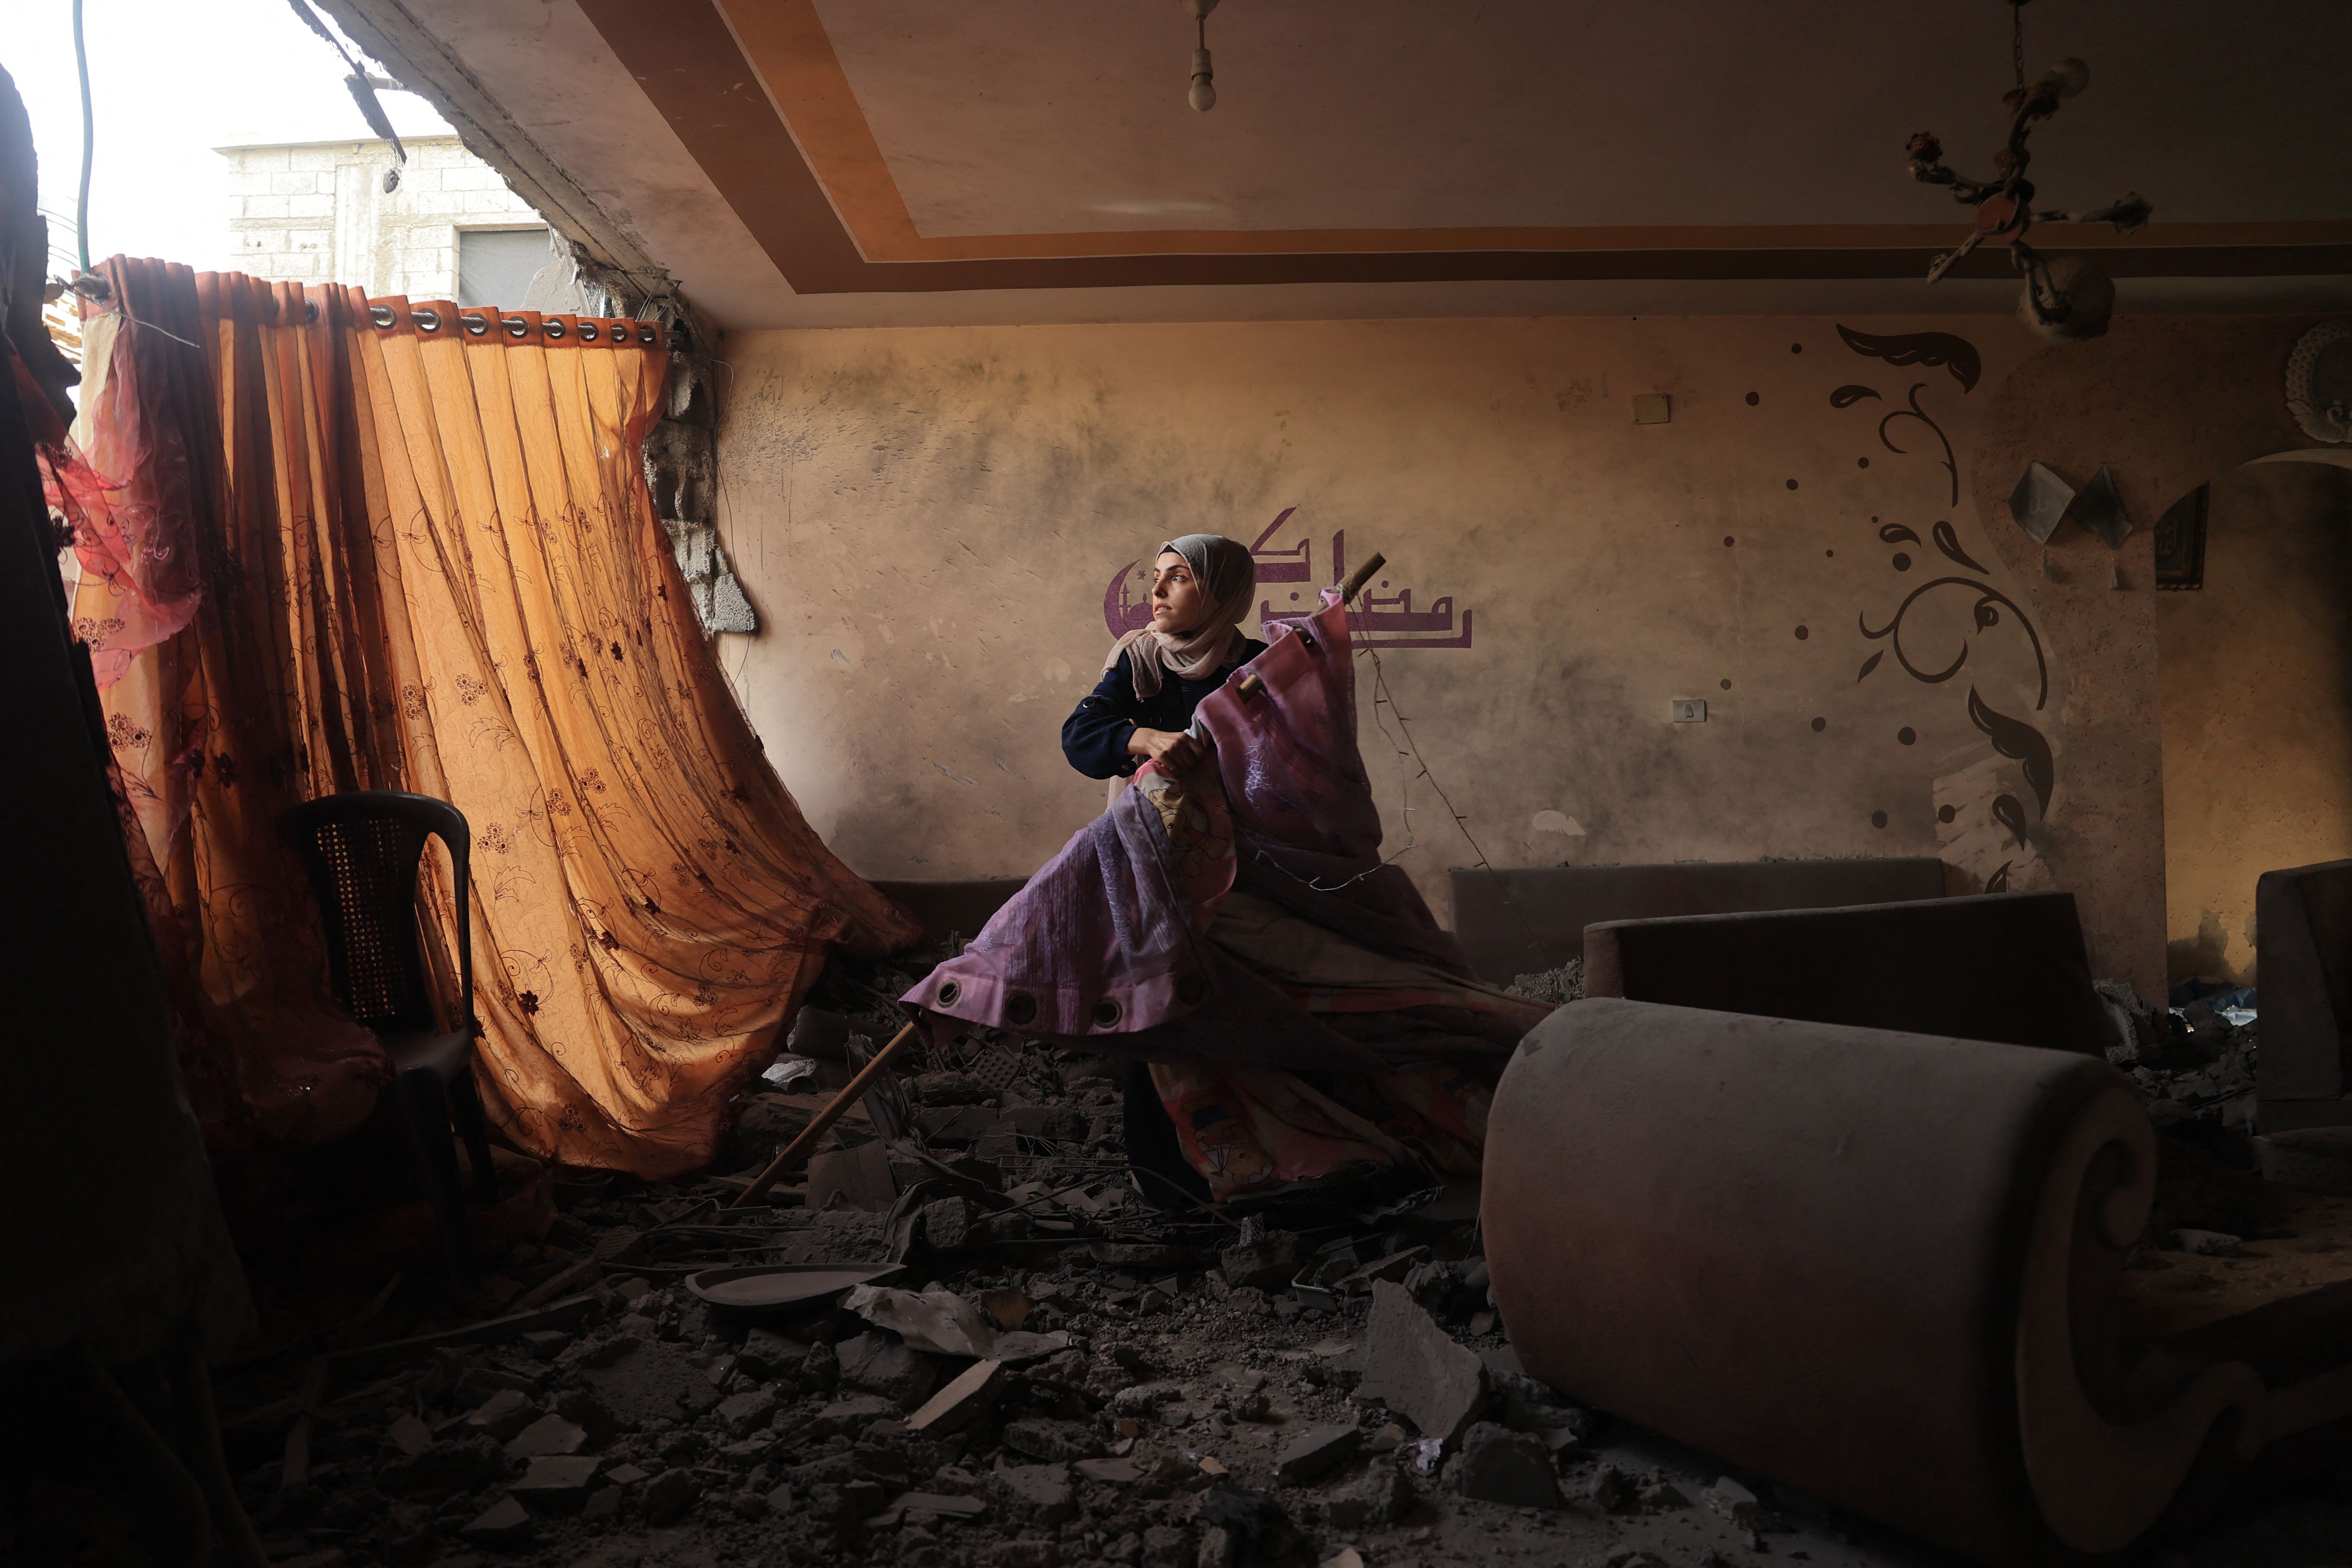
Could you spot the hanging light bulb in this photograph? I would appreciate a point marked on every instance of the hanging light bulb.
(1203, 96)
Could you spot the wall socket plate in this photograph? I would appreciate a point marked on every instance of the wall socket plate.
(1690, 709)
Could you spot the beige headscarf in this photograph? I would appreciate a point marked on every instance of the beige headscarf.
(1228, 579)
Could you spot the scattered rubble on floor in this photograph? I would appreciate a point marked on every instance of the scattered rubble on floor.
(1565, 983)
(1043, 1369)
(2195, 1063)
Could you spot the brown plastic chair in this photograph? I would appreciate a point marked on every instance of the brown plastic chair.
(361, 849)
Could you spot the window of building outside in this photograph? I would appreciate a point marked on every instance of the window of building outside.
(495, 265)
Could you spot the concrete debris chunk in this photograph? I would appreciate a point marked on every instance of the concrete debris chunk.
(740, 1414)
(1527, 1404)
(1413, 1365)
(1041, 1492)
(410, 1436)
(883, 1363)
(1741, 1506)
(669, 1495)
(450, 1465)
(1111, 1472)
(654, 1382)
(941, 1323)
(557, 1484)
(1049, 1438)
(548, 1434)
(1023, 1555)
(1614, 1491)
(946, 1224)
(504, 1524)
(504, 1413)
(939, 1505)
(971, 1392)
(1268, 1263)
(1316, 1452)
(1499, 1465)
(768, 1356)
(1166, 1546)
(855, 1178)
(1255, 1527)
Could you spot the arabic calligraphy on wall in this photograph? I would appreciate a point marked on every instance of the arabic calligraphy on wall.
(1382, 621)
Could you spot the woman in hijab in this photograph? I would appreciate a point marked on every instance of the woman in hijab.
(1201, 586)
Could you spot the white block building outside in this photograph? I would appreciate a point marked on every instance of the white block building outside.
(317, 212)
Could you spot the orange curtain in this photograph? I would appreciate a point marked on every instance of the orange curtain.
(446, 574)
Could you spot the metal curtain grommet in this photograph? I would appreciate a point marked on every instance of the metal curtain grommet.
(383, 316)
(310, 312)
(552, 329)
(588, 331)
(1020, 1007)
(474, 323)
(516, 326)
(948, 993)
(646, 333)
(1107, 1013)
(426, 320)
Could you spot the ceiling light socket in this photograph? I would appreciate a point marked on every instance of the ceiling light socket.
(1200, 8)
(1203, 96)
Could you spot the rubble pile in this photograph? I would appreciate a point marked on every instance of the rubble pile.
(1039, 1368)
(2194, 1062)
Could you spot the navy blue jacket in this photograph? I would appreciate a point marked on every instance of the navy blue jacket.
(1094, 735)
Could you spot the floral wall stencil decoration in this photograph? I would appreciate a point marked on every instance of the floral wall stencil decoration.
(1990, 602)
(1982, 816)
(1930, 349)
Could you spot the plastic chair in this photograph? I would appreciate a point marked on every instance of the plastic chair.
(361, 849)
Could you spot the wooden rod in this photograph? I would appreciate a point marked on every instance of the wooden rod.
(1360, 576)
(823, 1123)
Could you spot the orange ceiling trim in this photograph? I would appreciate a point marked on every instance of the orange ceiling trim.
(786, 42)
(810, 186)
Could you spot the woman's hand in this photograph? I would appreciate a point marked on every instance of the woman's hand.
(1173, 750)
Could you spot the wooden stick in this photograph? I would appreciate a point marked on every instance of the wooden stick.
(823, 1123)
(1360, 576)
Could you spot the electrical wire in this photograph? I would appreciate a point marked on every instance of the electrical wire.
(89, 137)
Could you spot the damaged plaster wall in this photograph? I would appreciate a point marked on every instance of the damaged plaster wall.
(935, 521)
(2256, 675)
(2166, 402)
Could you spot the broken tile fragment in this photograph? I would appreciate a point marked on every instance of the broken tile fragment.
(971, 1390)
